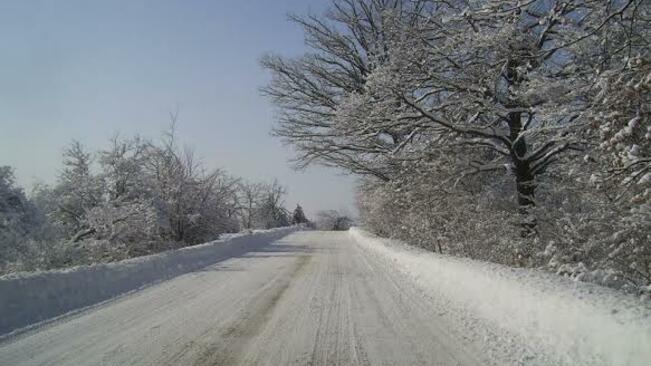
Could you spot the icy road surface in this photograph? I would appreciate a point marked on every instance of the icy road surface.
(311, 298)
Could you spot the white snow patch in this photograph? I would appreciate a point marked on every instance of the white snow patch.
(577, 323)
(28, 298)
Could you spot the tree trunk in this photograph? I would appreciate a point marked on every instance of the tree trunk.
(524, 175)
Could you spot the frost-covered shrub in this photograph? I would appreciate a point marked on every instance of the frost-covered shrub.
(620, 122)
(581, 233)
(462, 219)
(20, 222)
(590, 236)
(134, 198)
(133, 222)
(333, 220)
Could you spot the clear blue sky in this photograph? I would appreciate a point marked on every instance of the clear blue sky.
(86, 70)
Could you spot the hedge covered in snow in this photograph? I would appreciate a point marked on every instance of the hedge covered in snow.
(580, 323)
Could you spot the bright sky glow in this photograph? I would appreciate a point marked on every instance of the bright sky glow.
(87, 70)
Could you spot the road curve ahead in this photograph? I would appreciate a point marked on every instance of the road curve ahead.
(311, 298)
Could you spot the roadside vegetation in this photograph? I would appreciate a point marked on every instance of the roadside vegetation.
(333, 220)
(511, 131)
(135, 197)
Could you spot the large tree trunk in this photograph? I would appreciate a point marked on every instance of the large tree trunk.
(524, 175)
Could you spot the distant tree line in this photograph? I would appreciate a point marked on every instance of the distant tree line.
(506, 130)
(333, 220)
(133, 198)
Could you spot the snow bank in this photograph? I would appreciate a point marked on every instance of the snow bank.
(33, 297)
(579, 323)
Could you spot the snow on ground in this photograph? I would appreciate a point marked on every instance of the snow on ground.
(575, 323)
(325, 298)
(310, 298)
(28, 298)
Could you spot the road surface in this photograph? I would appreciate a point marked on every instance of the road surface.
(311, 298)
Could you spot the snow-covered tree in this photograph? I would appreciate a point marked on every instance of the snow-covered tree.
(250, 196)
(122, 168)
(348, 44)
(333, 220)
(18, 219)
(271, 212)
(470, 118)
(141, 197)
(298, 216)
(78, 190)
(194, 204)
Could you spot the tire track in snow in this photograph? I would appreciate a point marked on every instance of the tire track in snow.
(233, 340)
(313, 298)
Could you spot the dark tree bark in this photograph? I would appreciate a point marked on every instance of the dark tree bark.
(525, 176)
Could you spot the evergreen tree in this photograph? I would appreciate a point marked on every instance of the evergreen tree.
(298, 217)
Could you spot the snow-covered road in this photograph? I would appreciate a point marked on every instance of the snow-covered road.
(311, 298)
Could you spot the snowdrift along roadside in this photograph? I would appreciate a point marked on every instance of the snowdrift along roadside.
(29, 298)
(578, 322)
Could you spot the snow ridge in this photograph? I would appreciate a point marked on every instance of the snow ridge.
(579, 323)
(28, 298)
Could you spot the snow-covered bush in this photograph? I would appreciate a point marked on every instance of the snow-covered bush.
(261, 205)
(77, 191)
(135, 197)
(589, 235)
(462, 219)
(333, 220)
